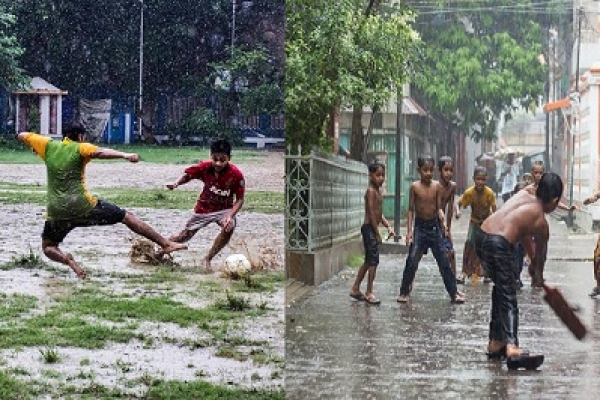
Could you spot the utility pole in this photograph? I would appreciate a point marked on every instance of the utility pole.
(399, 148)
(574, 118)
(232, 26)
(141, 77)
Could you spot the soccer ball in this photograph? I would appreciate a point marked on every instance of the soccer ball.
(236, 265)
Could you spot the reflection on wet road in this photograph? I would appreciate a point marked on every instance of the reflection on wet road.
(337, 348)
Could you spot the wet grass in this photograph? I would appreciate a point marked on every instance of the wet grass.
(89, 315)
(355, 260)
(206, 391)
(15, 152)
(15, 305)
(254, 201)
(259, 282)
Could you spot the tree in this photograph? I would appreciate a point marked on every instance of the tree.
(94, 44)
(340, 53)
(250, 78)
(11, 74)
(481, 62)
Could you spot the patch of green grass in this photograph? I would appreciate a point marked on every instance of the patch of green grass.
(26, 261)
(162, 275)
(206, 391)
(355, 260)
(15, 305)
(50, 355)
(60, 330)
(233, 302)
(51, 373)
(15, 152)
(228, 351)
(254, 201)
(260, 282)
(11, 388)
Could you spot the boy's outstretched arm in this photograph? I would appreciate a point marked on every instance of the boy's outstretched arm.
(104, 153)
(592, 199)
(183, 179)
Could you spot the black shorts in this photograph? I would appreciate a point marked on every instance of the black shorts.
(103, 214)
(371, 245)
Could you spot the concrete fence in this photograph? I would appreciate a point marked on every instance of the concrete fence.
(324, 213)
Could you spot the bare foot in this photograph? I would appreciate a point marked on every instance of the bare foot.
(512, 351)
(173, 246)
(75, 267)
(207, 265)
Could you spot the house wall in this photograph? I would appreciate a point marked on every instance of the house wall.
(586, 169)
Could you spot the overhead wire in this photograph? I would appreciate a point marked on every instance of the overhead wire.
(538, 7)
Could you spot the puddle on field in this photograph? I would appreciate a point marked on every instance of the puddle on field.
(104, 253)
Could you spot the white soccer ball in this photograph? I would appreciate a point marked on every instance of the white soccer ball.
(237, 265)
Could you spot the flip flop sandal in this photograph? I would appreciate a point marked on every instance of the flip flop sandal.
(525, 361)
(372, 300)
(358, 296)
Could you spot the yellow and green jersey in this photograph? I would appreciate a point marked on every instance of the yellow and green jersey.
(68, 197)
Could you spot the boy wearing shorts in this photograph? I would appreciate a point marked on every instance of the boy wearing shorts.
(69, 204)
(370, 234)
(219, 201)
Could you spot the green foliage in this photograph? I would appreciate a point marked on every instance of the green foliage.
(199, 127)
(480, 63)
(339, 54)
(11, 74)
(251, 77)
(96, 43)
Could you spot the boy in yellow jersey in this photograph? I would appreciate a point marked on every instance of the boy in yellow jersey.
(483, 203)
(69, 204)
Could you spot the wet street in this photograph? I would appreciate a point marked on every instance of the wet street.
(338, 348)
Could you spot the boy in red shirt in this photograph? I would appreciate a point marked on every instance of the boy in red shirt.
(220, 200)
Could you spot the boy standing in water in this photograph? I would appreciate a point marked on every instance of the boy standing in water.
(425, 204)
(483, 203)
(520, 219)
(219, 202)
(370, 234)
(447, 193)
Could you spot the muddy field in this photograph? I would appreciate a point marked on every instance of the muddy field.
(104, 253)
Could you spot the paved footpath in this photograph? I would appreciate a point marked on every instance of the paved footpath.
(337, 348)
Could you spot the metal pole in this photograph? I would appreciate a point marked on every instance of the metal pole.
(398, 181)
(141, 77)
(233, 27)
(575, 118)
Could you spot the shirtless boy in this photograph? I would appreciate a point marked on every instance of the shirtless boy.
(370, 234)
(425, 205)
(447, 193)
(520, 219)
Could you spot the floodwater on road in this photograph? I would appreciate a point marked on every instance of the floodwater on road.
(338, 348)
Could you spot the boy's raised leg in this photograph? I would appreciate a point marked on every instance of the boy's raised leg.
(142, 228)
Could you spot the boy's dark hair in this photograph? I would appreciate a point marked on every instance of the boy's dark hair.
(538, 163)
(221, 146)
(550, 187)
(73, 130)
(375, 165)
(479, 169)
(443, 160)
(425, 160)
